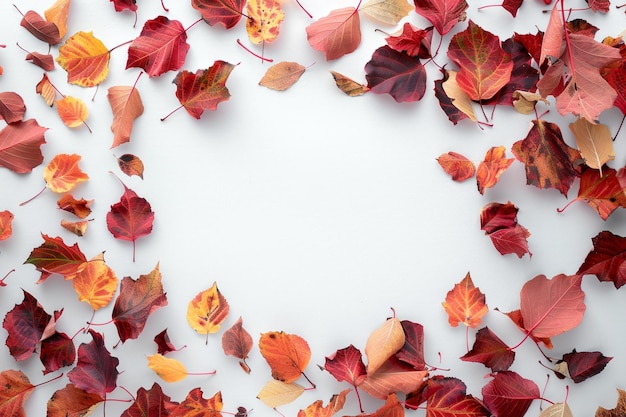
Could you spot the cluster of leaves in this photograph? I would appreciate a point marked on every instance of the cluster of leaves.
(565, 63)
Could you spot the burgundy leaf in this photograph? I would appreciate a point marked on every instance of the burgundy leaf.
(509, 395)
(347, 365)
(25, 324)
(581, 365)
(396, 73)
(96, 370)
(57, 351)
(491, 351)
(164, 345)
(413, 350)
(607, 260)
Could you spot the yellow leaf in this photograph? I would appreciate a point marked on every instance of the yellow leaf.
(387, 11)
(459, 98)
(276, 393)
(57, 14)
(72, 111)
(594, 142)
(95, 283)
(63, 173)
(264, 19)
(169, 370)
(283, 75)
(382, 343)
(207, 310)
(85, 58)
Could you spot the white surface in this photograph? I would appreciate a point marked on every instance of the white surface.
(314, 212)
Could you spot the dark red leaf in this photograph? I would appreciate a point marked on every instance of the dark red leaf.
(413, 350)
(164, 345)
(57, 351)
(499, 222)
(532, 43)
(237, 342)
(150, 403)
(347, 365)
(25, 325)
(96, 370)
(224, 12)
(581, 365)
(616, 77)
(509, 395)
(55, 257)
(43, 61)
(512, 6)
(20, 144)
(40, 28)
(396, 73)
(453, 112)
(447, 397)
(412, 40)
(607, 260)
(491, 351)
(443, 14)
(121, 5)
(12, 107)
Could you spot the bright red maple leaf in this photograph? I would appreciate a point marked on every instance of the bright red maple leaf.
(412, 40)
(56, 257)
(162, 46)
(25, 325)
(20, 144)
(509, 395)
(491, 351)
(499, 222)
(224, 12)
(578, 366)
(337, 34)
(607, 259)
(96, 371)
(401, 76)
(152, 402)
(443, 14)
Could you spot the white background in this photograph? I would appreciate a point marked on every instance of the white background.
(316, 213)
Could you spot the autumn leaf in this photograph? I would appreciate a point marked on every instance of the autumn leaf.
(606, 259)
(20, 146)
(224, 12)
(152, 402)
(25, 325)
(465, 304)
(491, 351)
(457, 97)
(459, 167)
(207, 310)
(317, 409)
(131, 165)
(85, 58)
(347, 365)
(54, 256)
(80, 208)
(594, 142)
(348, 86)
(121, 5)
(447, 397)
(499, 222)
(412, 40)
(96, 371)
(164, 345)
(79, 228)
(264, 19)
(196, 405)
(617, 411)
(203, 90)
(168, 369)
(57, 14)
(126, 105)
(6, 220)
(337, 34)
(43, 61)
(40, 28)
(57, 351)
(276, 393)
(383, 342)
(412, 352)
(16, 390)
(162, 46)
(508, 394)
(396, 73)
(579, 366)
(489, 169)
(46, 90)
(12, 107)
(237, 342)
(95, 283)
(72, 111)
(391, 408)
(286, 354)
(72, 402)
(389, 12)
(137, 300)
(283, 75)
(443, 14)
(62, 173)
(393, 376)
(518, 320)
(484, 66)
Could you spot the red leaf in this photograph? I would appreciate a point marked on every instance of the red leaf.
(121, 5)
(43, 61)
(40, 28)
(509, 395)
(532, 43)
(20, 144)
(446, 397)
(72, 402)
(337, 34)
(393, 376)
(491, 351)
(484, 66)
(96, 370)
(603, 193)
(6, 221)
(581, 365)
(12, 107)
(55, 257)
(606, 260)
(499, 222)
(396, 73)
(16, 388)
(163, 343)
(489, 169)
(551, 307)
(237, 342)
(412, 40)
(454, 113)
(152, 402)
(80, 208)
(516, 317)
(137, 300)
(25, 325)
(57, 351)
(465, 304)
(225, 12)
(130, 218)
(162, 46)
(412, 352)
(347, 365)
(616, 77)
(459, 167)
(599, 5)
(512, 6)
(443, 14)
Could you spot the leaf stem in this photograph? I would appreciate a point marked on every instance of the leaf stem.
(172, 112)
(358, 397)
(33, 197)
(262, 58)
(620, 126)
(48, 381)
(164, 8)
(313, 386)
(193, 24)
(2, 284)
(120, 45)
(305, 10)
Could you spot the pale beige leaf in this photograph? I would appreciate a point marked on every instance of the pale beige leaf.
(348, 85)
(459, 98)
(283, 75)
(557, 410)
(45, 89)
(382, 343)
(594, 142)
(387, 11)
(276, 393)
(525, 101)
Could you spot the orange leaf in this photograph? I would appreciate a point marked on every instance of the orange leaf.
(207, 311)
(348, 85)
(72, 402)
(57, 14)
(264, 19)
(6, 218)
(317, 409)
(286, 354)
(457, 166)
(465, 304)
(131, 165)
(72, 111)
(169, 370)
(126, 104)
(80, 208)
(282, 75)
(383, 342)
(16, 388)
(95, 282)
(62, 173)
(45, 89)
(276, 393)
(337, 34)
(197, 406)
(391, 408)
(85, 58)
(237, 342)
(78, 228)
(490, 169)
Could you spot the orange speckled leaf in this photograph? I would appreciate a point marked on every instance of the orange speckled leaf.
(95, 283)
(72, 111)
(63, 173)
(207, 310)
(465, 304)
(168, 369)
(57, 14)
(131, 165)
(264, 19)
(6, 218)
(85, 58)
(16, 388)
(283, 75)
(489, 170)
(457, 166)
(287, 354)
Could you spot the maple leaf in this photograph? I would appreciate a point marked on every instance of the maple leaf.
(162, 46)
(548, 160)
(12, 107)
(393, 376)
(580, 365)
(491, 351)
(412, 40)
(6, 220)
(25, 325)
(348, 86)
(224, 12)
(168, 369)
(317, 409)
(617, 411)
(137, 300)
(383, 342)
(446, 396)
(95, 283)
(56, 257)
(57, 351)
(499, 222)
(207, 310)
(196, 405)
(40, 28)
(20, 144)
(96, 371)
(401, 76)
(386, 11)
(489, 169)
(283, 75)
(57, 14)
(16, 390)
(130, 218)
(484, 66)
(594, 142)
(264, 19)
(276, 393)
(85, 58)
(152, 402)
(347, 365)
(80, 208)
(465, 304)
(203, 90)
(131, 165)
(72, 401)
(286, 354)
(508, 394)
(126, 106)
(72, 111)
(606, 259)
(237, 342)
(443, 14)
(337, 34)
(459, 167)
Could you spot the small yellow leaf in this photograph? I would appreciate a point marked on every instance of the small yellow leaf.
(276, 393)
(72, 111)
(281, 76)
(594, 142)
(387, 11)
(459, 98)
(169, 370)
(264, 19)
(348, 85)
(383, 343)
(95, 283)
(207, 310)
